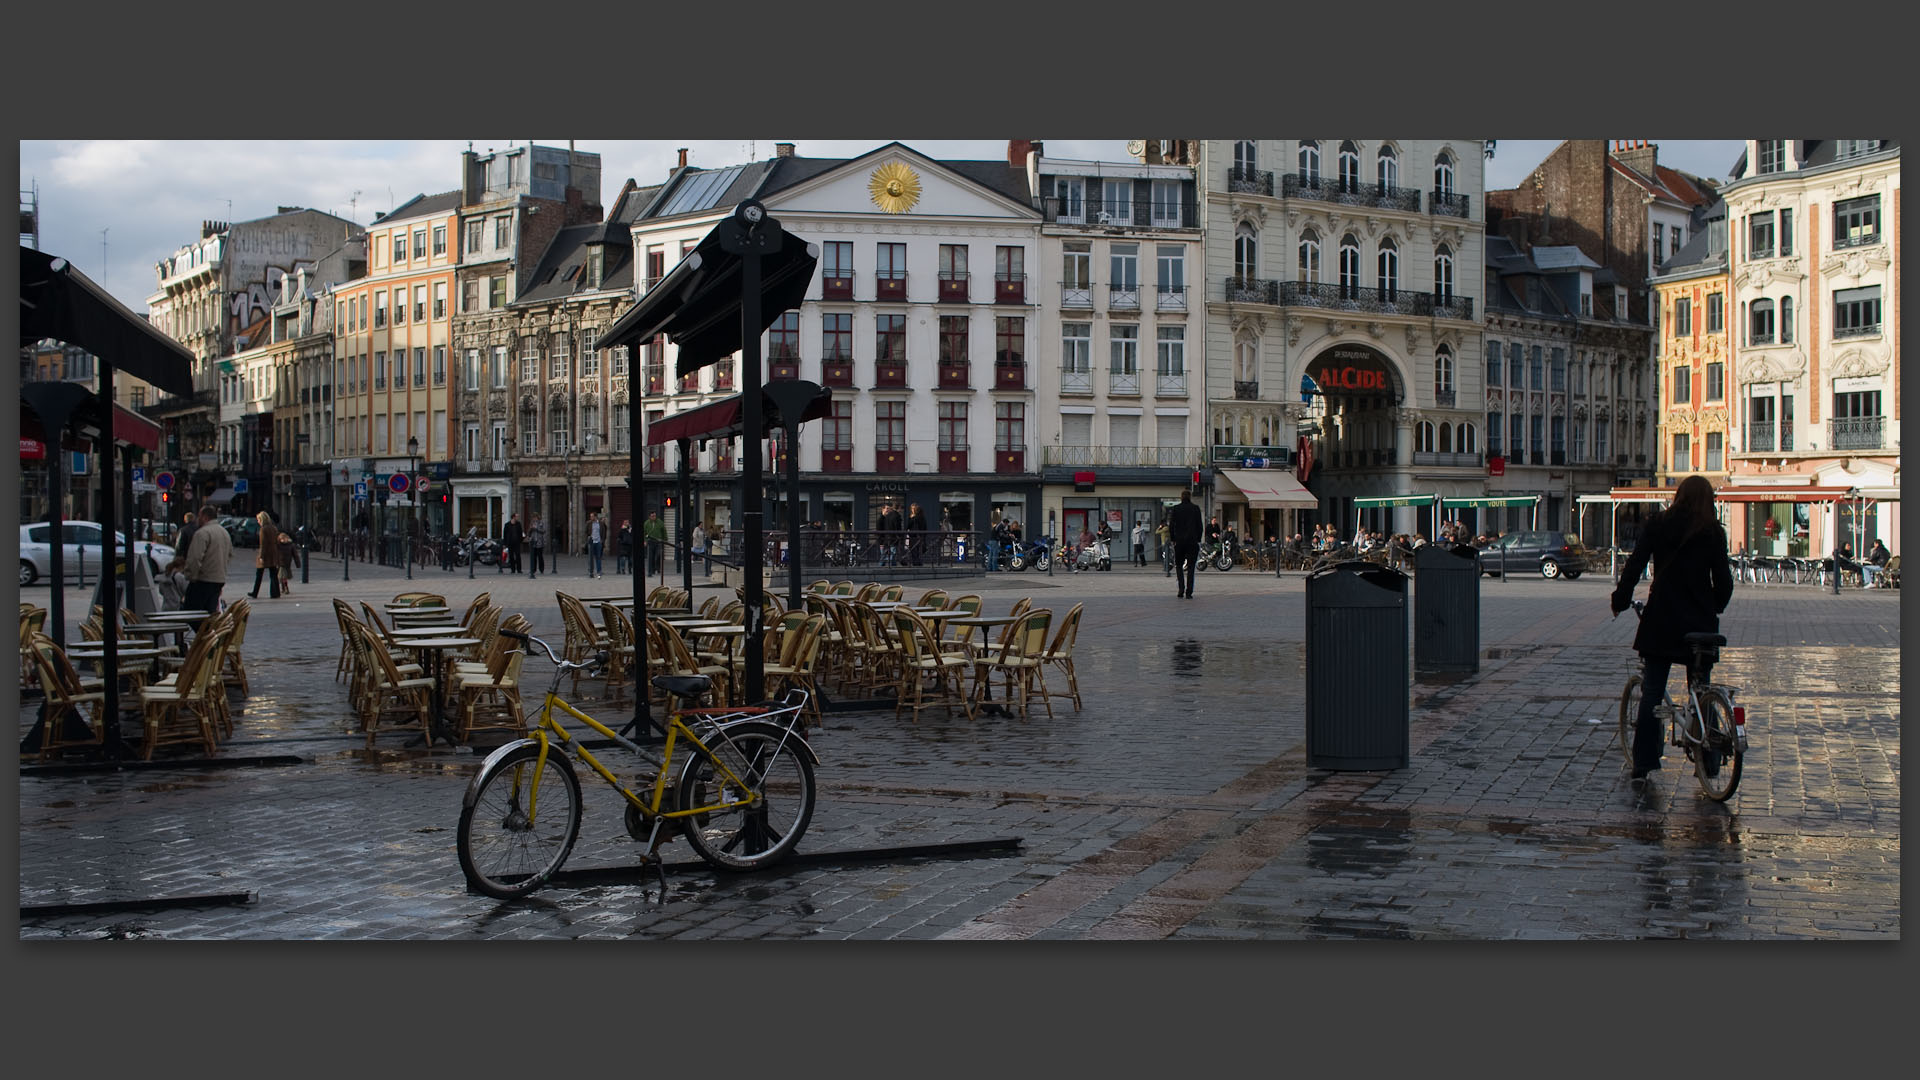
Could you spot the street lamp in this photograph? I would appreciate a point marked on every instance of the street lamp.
(413, 498)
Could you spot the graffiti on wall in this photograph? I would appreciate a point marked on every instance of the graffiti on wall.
(259, 297)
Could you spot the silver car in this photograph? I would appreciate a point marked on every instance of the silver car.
(36, 553)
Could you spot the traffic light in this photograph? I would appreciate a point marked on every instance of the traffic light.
(669, 502)
(166, 499)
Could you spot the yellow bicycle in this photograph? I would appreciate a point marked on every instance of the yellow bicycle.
(743, 793)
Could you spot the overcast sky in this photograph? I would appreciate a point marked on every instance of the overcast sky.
(116, 208)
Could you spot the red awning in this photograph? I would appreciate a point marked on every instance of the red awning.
(719, 420)
(1796, 493)
(129, 429)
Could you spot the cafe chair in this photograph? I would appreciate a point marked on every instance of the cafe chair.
(75, 711)
(390, 693)
(929, 678)
(1059, 653)
(798, 663)
(186, 709)
(1021, 662)
(584, 637)
(620, 650)
(233, 666)
(480, 603)
(490, 697)
(33, 620)
(342, 615)
(681, 661)
(932, 598)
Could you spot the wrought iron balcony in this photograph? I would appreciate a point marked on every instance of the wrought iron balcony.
(1123, 297)
(1868, 330)
(1761, 339)
(1446, 204)
(1076, 294)
(1152, 457)
(954, 287)
(1861, 240)
(1239, 290)
(1456, 459)
(1855, 432)
(1009, 288)
(1009, 376)
(1294, 185)
(1449, 306)
(1123, 382)
(1170, 298)
(1322, 294)
(1076, 382)
(891, 286)
(1758, 252)
(1249, 181)
(1170, 385)
(1246, 391)
(1443, 398)
(1760, 438)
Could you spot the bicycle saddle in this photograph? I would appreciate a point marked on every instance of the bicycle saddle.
(686, 686)
(1696, 640)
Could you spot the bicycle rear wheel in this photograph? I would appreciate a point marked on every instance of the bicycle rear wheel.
(1716, 761)
(505, 851)
(1629, 716)
(779, 778)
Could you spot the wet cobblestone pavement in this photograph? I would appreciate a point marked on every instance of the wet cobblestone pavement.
(1177, 804)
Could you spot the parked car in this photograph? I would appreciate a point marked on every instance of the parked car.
(245, 531)
(1549, 552)
(36, 553)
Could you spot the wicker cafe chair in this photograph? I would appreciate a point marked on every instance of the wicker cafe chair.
(480, 603)
(70, 701)
(233, 668)
(1022, 662)
(932, 598)
(33, 620)
(880, 650)
(620, 650)
(391, 693)
(1059, 653)
(584, 636)
(921, 662)
(681, 661)
(343, 614)
(187, 709)
(799, 663)
(490, 697)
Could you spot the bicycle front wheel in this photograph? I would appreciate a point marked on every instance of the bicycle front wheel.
(1716, 761)
(1629, 716)
(772, 809)
(520, 824)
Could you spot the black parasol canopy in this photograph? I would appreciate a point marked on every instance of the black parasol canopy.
(57, 301)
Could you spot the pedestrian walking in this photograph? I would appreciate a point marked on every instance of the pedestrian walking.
(623, 558)
(511, 538)
(1140, 543)
(537, 541)
(207, 561)
(1691, 587)
(996, 536)
(700, 548)
(266, 558)
(654, 532)
(594, 544)
(916, 532)
(288, 557)
(1162, 536)
(1183, 526)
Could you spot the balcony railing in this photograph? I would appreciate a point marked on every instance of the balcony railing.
(1446, 204)
(1239, 290)
(837, 286)
(1456, 459)
(1449, 306)
(1861, 240)
(1760, 339)
(1322, 294)
(890, 286)
(890, 374)
(1076, 382)
(1170, 298)
(1869, 330)
(1123, 382)
(1131, 457)
(836, 371)
(953, 376)
(1249, 181)
(1076, 294)
(1757, 252)
(1123, 297)
(952, 460)
(1294, 185)
(955, 287)
(1855, 432)
(1246, 391)
(1760, 438)
(1170, 385)
(836, 459)
(1009, 376)
(1009, 288)
(1443, 398)
(1009, 462)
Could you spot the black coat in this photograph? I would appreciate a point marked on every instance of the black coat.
(1691, 585)
(510, 536)
(1183, 523)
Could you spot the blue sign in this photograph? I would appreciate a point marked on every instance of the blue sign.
(139, 475)
(163, 481)
(360, 489)
(1254, 462)
(240, 486)
(397, 483)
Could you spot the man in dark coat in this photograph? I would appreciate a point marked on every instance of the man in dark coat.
(889, 527)
(916, 532)
(1183, 528)
(510, 538)
(1692, 585)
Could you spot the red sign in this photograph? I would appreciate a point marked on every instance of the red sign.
(1352, 378)
(1496, 466)
(33, 449)
(1303, 459)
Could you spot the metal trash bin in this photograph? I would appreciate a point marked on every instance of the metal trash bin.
(1359, 690)
(1446, 608)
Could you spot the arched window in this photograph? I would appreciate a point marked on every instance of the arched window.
(1443, 370)
(1310, 164)
(1446, 438)
(1423, 437)
(1243, 156)
(1786, 320)
(1387, 169)
(1309, 256)
(1443, 175)
(1349, 167)
(1246, 361)
(1389, 265)
(1246, 250)
(1349, 267)
(1469, 441)
(1443, 275)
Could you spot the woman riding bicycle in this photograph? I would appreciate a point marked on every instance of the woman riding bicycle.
(1691, 587)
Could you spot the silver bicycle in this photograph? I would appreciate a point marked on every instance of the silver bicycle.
(1702, 719)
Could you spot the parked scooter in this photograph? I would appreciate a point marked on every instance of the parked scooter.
(1094, 555)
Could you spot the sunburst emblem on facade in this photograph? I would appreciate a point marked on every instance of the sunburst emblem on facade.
(895, 188)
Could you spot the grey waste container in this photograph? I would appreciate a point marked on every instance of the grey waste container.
(1358, 686)
(1446, 608)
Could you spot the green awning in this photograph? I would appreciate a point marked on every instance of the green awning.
(1370, 501)
(1494, 500)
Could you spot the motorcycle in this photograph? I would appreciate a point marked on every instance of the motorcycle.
(1216, 555)
(1094, 556)
(1037, 553)
(488, 551)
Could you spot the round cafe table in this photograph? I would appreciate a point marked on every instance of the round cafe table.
(430, 650)
(428, 631)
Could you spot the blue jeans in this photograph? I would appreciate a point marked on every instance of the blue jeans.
(593, 558)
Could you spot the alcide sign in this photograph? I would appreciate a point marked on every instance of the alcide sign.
(1353, 369)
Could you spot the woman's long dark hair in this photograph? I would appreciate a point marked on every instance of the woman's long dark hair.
(1692, 507)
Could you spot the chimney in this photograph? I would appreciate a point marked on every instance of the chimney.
(683, 157)
(782, 149)
(1639, 155)
(1017, 150)
(471, 178)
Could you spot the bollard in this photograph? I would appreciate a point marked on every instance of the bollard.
(306, 560)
